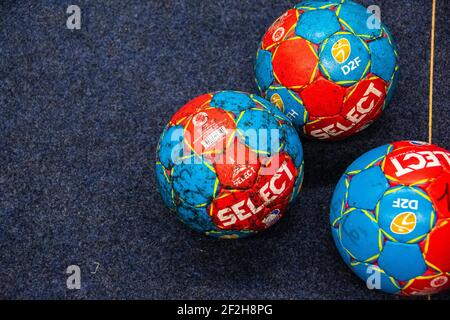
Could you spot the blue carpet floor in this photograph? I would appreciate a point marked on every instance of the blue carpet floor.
(80, 116)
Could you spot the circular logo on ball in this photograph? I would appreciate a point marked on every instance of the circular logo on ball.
(278, 34)
(276, 100)
(439, 282)
(200, 119)
(404, 223)
(341, 50)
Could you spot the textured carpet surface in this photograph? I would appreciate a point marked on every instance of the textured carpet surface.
(80, 115)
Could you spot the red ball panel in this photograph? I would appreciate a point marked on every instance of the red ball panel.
(190, 108)
(323, 98)
(207, 130)
(437, 250)
(280, 29)
(427, 285)
(295, 63)
(237, 167)
(439, 192)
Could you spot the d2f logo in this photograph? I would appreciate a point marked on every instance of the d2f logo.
(414, 161)
(341, 50)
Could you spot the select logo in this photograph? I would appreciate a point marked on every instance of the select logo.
(404, 223)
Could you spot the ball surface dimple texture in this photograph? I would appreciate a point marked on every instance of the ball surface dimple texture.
(330, 66)
(229, 164)
(390, 218)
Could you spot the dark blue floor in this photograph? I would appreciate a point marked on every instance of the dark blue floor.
(80, 116)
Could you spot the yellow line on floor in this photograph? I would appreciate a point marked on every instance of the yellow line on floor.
(430, 108)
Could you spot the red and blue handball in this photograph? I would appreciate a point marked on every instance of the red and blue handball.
(331, 66)
(229, 164)
(390, 218)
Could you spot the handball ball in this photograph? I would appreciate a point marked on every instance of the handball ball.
(331, 66)
(390, 218)
(229, 164)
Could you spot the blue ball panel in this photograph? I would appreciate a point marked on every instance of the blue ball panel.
(291, 103)
(317, 25)
(197, 218)
(316, 4)
(254, 129)
(391, 87)
(402, 261)
(390, 38)
(360, 235)
(344, 254)
(232, 101)
(383, 58)
(194, 183)
(171, 146)
(165, 186)
(292, 144)
(354, 17)
(270, 107)
(366, 188)
(338, 200)
(264, 70)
